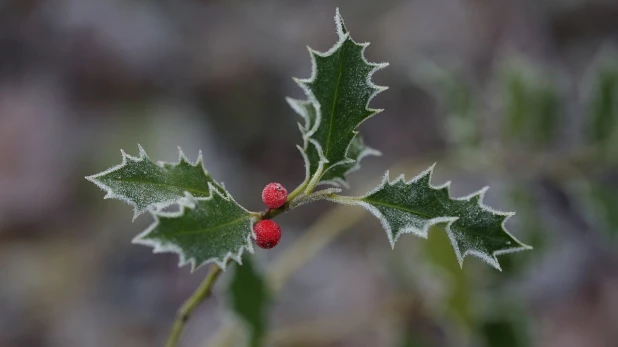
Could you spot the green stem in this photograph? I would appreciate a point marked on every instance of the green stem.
(203, 291)
(298, 190)
(343, 199)
(315, 179)
(185, 311)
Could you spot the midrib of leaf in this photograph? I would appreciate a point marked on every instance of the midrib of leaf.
(399, 208)
(333, 108)
(199, 231)
(162, 184)
(422, 215)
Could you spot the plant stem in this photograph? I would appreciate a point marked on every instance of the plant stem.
(315, 179)
(342, 199)
(185, 311)
(298, 190)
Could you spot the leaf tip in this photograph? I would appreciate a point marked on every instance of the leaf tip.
(181, 156)
(341, 28)
(142, 152)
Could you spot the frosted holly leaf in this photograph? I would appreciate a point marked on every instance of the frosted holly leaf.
(306, 110)
(144, 184)
(357, 151)
(205, 230)
(339, 90)
(414, 206)
(335, 175)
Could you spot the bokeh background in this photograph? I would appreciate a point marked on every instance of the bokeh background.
(518, 95)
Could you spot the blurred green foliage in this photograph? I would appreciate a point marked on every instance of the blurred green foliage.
(531, 104)
(249, 299)
(603, 103)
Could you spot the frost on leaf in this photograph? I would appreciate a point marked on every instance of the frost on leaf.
(414, 206)
(335, 175)
(339, 91)
(144, 184)
(357, 151)
(211, 229)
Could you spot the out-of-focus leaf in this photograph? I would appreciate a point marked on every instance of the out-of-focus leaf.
(531, 103)
(249, 300)
(457, 97)
(457, 293)
(602, 120)
(501, 334)
(605, 202)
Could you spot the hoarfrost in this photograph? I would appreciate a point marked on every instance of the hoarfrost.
(414, 206)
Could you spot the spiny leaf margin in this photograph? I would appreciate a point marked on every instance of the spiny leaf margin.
(314, 158)
(189, 202)
(312, 122)
(127, 159)
(448, 220)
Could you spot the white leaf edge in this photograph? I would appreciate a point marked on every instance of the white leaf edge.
(423, 233)
(188, 202)
(368, 151)
(343, 35)
(315, 196)
(297, 106)
(141, 157)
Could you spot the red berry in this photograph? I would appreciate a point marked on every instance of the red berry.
(267, 233)
(274, 195)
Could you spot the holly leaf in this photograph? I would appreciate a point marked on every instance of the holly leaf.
(336, 175)
(306, 110)
(414, 206)
(145, 185)
(358, 150)
(339, 91)
(249, 298)
(204, 230)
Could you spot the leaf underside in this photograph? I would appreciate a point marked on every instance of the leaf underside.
(339, 91)
(414, 206)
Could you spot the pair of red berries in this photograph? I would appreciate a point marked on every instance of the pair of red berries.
(267, 232)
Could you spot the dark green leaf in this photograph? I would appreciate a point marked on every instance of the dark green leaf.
(211, 229)
(339, 91)
(249, 299)
(144, 184)
(414, 206)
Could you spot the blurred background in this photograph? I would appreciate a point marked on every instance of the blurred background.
(518, 95)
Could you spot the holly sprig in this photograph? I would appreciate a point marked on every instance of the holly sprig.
(209, 226)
